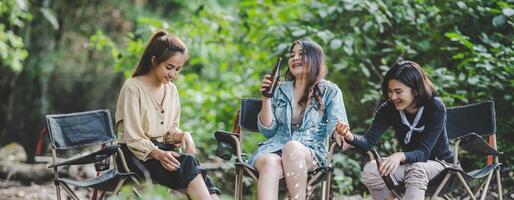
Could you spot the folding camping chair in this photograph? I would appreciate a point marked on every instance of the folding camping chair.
(466, 125)
(86, 129)
(230, 143)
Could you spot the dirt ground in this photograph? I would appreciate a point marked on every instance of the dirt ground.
(36, 192)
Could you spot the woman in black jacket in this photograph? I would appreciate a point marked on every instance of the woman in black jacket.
(418, 118)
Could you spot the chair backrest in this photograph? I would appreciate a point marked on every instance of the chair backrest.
(250, 108)
(476, 118)
(80, 129)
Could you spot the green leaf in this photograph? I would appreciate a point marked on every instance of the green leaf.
(458, 56)
(364, 70)
(508, 12)
(50, 16)
(335, 43)
(460, 38)
(461, 5)
(299, 32)
(499, 20)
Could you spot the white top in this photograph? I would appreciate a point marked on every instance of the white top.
(140, 118)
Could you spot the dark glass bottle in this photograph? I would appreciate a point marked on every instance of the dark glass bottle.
(275, 78)
(389, 180)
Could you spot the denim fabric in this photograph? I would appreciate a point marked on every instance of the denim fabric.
(316, 126)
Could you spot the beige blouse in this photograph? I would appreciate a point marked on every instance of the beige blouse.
(139, 118)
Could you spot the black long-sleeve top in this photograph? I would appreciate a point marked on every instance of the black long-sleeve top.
(429, 144)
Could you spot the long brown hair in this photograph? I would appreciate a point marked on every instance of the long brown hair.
(313, 59)
(163, 46)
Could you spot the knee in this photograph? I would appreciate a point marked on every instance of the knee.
(371, 177)
(188, 157)
(188, 161)
(416, 176)
(268, 164)
(293, 150)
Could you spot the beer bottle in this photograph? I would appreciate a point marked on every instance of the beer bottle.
(275, 77)
(389, 180)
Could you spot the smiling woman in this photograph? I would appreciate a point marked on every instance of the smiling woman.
(147, 118)
(300, 115)
(418, 118)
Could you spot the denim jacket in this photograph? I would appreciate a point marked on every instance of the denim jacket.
(315, 128)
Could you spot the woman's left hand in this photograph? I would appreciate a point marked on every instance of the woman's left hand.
(390, 164)
(188, 143)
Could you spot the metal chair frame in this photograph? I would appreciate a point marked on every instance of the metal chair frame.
(482, 124)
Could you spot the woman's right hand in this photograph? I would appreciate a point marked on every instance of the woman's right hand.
(266, 83)
(167, 158)
(266, 116)
(343, 130)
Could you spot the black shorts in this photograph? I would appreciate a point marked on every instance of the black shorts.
(189, 169)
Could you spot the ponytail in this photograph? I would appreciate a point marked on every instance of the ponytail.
(162, 46)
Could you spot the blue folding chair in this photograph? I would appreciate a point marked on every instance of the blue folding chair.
(75, 131)
(467, 126)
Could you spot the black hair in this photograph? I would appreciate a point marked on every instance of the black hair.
(413, 76)
(163, 46)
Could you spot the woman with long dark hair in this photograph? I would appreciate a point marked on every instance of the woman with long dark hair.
(147, 118)
(298, 118)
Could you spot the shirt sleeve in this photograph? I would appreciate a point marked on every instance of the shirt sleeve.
(138, 143)
(335, 109)
(270, 131)
(378, 126)
(433, 128)
(175, 116)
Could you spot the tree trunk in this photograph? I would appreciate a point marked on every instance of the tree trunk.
(27, 120)
(6, 87)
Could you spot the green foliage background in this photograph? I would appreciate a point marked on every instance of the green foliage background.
(465, 46)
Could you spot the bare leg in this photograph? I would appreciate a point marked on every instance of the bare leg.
(197, 190)
(267, 186)
(297, 160)
(214, 197)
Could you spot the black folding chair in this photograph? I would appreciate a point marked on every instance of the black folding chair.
(466, 126)
(230, 143)
(86, 129)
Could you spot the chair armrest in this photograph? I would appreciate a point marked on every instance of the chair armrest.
(475, 144)
(99, 155)
(228, 145)
(467, 136)
(332, 150)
